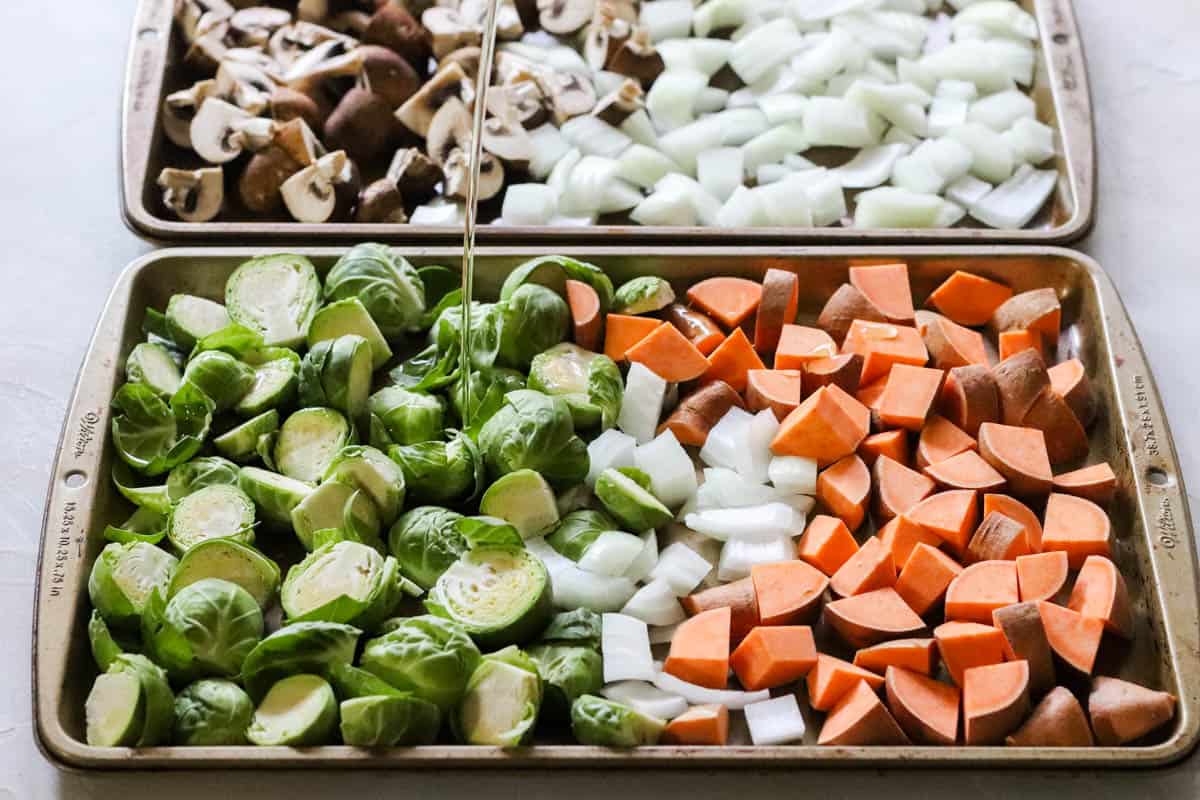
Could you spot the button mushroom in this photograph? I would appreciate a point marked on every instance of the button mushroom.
(618, 104)
(216, 130)
(389, 75)
(312, 194)
(206, 51)
(570, 93)
(195, 17)
(362, 124)
(450, 30)
(396, 29)
(252, 27)
(565, 17)
(415, 174)
(193, 195)
(503, 134)
(448, 82)
(637, 58)
(291, 42)
(288, 104)
(449, 141)
(293, 147)
(605, 35)
(380, 201)
(244, 85)
(179, 108)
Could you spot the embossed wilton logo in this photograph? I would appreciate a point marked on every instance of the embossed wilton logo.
(86, 433)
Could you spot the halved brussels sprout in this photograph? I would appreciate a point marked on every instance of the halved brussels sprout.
(577, 530)
(603, 723)
(308, 442)
(386, 284)
(643, 295)
(336, 373)
(131, 704)
(212, 712)
(151, 435)
(350, 681)
(389, 721)
(580, 627)
(431, 657)
(426, 542)
(231, 561)
(553, 271)
(144, 525)
(487, 321)
(534, 431)
(220, 376)
(484, 531)
(134, 488)
(275, 381)
(524, 499)
(189, 318)
(240, 443)
(488, 387)
(297, 648)
(500, 595)
(334, 505)
(297, 711)
(349, 316)
(220, 511)
(534, 319)
(570, 671)
(234, 340)
(152, 364)
(368, 469)
(440, 472)
(123, 578)
(273, 494)
(409, 417)
(194, 475)
(104, 646)
(276, 296)
(502, 700)
(626, 495)
(342, 582)
(590, 383)
(207, 628)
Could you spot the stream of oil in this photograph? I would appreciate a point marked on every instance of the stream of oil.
(482, 79)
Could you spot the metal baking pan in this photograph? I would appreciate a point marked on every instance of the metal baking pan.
(1150, 515)
(1060, 92)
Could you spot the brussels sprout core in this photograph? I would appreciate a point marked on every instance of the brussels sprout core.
(114, 710)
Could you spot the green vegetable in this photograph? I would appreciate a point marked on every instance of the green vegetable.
(409, 417)
(349, 316)
(220, 376)
(151, 435)
(603, 723)
(534, 319)
(207, 628)
(569, 672)
(389, 721)
(440, 472)
(426, 542)
(488, 387)
(577, 530)
(438, 282)
(386, 284)
(378, 476)
(500, 595)
(105, 648)
(273, 494)
(240, 443)
(431, 657)
(153, 365)
(308, 442)
(643, 295)
(339, 506)
(123, 578)
(342, 582)
(336, 373)
(297, 648)
(589, 382)
(629, 499)
(134, 488)
(212, 712)
(189, 318)
(427, 371)
(502, 701)
(486, 531)
(534, 431)
(145, 525)
(231, 561)
(580, 627)
(275, 382)
(199, 473)
(297, 711)
(487, 320)
(523, 498)
(220, 511)
(543, 271)
(131, 704)
(274, 295)
(350, 681)
(234, 340)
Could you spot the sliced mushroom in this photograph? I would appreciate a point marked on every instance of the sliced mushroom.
(362, 124)
(333, 58)
(465, 57)
(389, 75)
(605, 35)
(450, 30)
(565, 16)
(294, 147)
(381, 201)
(244, 85)
(638, 58)
(503, 134)
(416, 175)
(205, 53)
(570, 93)
(288, 104)
(352, 22)
(179, 109)
(257, 58)
(615, 106)
(448, 82)
(214, 130)
(395, 28)
(508, 22)
(524, 95)
(252, 27)
(448, 143)
(196, 17)
(193, 195)
(291, 42)
(311, 195)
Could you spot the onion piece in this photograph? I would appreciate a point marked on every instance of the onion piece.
(560, 174)
(933, 164)
(974, 61)
(643, 166)
(755, 455)
(1031, 142)
(655, 604)
(946, 113)
(1013, 203)
(670, 209)
(682, 145)
(775, 721)
(611, 554)
(770, 173)
(826, 199)
(1000, 111)
(672, 474)
(793, 474)
(771, 146)
(640, 129)
(782, 107)
(740, 125)
(707, 56)
(893, 207)
(644, 697)
(741, 210)
(593, 136)
(822, 10)
(739, 555)
(666, 19)
(646, 560)
(548, 146)
(705, 205)
(438, 211)
(572, 587)
(967, 190)
(837, 122)
(902, 104)
(593, 187)
(765, 47)
(720, 171)
(1016, 58)
(748, 523)
(711, 99)
(625, 647)
(726, 488)
(700, 695)
(529, 204)
(832, 53)
(889, 34)
(999, 18)
(680, 568)
(642, 402)
(610, 449)
(671, 101)
(721, 447)
(939, 34)
(991, 158)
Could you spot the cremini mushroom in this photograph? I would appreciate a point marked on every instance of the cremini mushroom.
(565, 16)
(395, 28)
(193, 195)
(311, 194)
(206, 51)
(288, 104)
(291, 42)
(570, 93)
(332, 58)
(179, 108)
(503, 134)
(244, 85)
(618, 104)
(252, 27)
(216, 130)
(380, 201)
(362, 124)
(448, 143)
(450, 30)
(389, 75)
(605, 35)
(637, 57)
(449, 82)
(415, 174)
(293, 147)
(196, 17)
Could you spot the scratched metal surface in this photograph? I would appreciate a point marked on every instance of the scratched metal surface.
(63, 246)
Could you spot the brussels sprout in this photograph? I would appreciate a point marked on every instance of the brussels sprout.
(220, 511)
(336, 373)
(542, 270)
(349, 681)
(131, 704)
(426, 542)
(212, 712)
(349, 316)
(534, 431)
(500, 595)
(589, 382)
(603, 723)
(429, 656)
(524, 499)
(198, 473)
(145, 525)
(151, 435)
(440, 472)
(426, 371)
(275, 382)
(386, 284)
(152, 365)
(577, 530)
(438, 281)
(240, 443)
(234, 340)
(502, 701)
(579, 627)
(389, 721)
(486, 531)
(487, 321)
(105, 648)
(569, 671)
(273, 494)
(207, 628)
(297, 648)
(334, 505)
(274, 295)
(308, 442)
(368, 469)
(134, 489)
(297, 711)
(190, 318)
(488, 387)
(643, 295)
(123, 578)
(626, 495)
(534, 319)
(230, 561)
(220, 376)
(342, 582)
(409, 417)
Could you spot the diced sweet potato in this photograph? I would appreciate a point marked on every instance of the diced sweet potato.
(951, 516)
(860, 718)
(950, 344)
(1036, 310)
(728, 300)
(819, 428)
(1078, 527)
(1019, 454)
(738, 596)
(883, 344)
(969, 299)
(788, 592)
(776, 389)
(699, 725)
(1025, 638)
(998, 537)
(842, 370)
(732, 360)
(967, 470)
(1100, 592)
(897, 488)
(774, 656)
(995, 701)
(1057, 721)
(586, 319)
(1069, 380)
(870, 568)
(941, 439)
(622, 332)
(970, 397)
(844, 306)
(1016, 510)
(843, 489)
(1075, 638)
(872, 617)
(980, 589)
(918, 655)
(909, 395)
(1020, 379)
(780, 295)
(886, 287)
(698, 328)
(831, 678)
(963, 645)
(1122, 711)
(800, 345)
(901, 535)
(667, 353)
(1066, 440)
(700, 649)
(926, 575)
(700, 411)
(1097, 483)
(1041, 576)
(826, 544)
(893, 444)
(927, 710)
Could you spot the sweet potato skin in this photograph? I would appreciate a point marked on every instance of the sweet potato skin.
(1122, 711)
(1057, 721)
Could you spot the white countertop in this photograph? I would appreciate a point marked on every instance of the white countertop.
(64, 244)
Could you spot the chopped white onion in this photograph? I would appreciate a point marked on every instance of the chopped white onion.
(770, 173)
(682, 145)
(793, 474)
(611, 553)
(680, 568)
(642, 402)
(740, 125)
(893, 207)
(933, 164)
(655, 604)
(756, 452)
(797, 163)
(837, 122)
(748, 523)
(610, 449)
(775, 721)
(529, 204)
(967, 190)
(870, 167)
(625, 647)
(991, 158)
(644, 697)
(1013, 203)
(1000, 111)
(763, 48)
(644, 166)
(784, 107)
(902, 104)
(672, 474)
(785, 203)
(726, 437)
(572, 587)
(646, 560)
(727, 488)
(700, 695)
(739, 555)
(741, 210)
(999, 18)
(560, 173)
(666, 19)
(959, 90)
(885, 34)
(671, 209)
(720, 171)
(974, 61)
(822, 10)
(771, 146)
(829, 56)
(671, 101)
(704, 204)
(548, 146)
(900, 136)
(595, 137)
(946, 113)
(826, 199)
(1032, 142)
(640, 129)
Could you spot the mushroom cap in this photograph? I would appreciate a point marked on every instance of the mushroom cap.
(193, 195)
(417, 112)
(393, 27)
(214, 130)
(380, 201)
(362, 125)
(565, 16)
(389, 75)
(415, 175)
(179, 109)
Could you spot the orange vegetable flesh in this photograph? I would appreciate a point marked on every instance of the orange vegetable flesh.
(925, 577)
(1078, 527)
(897, 488)
(843, 489)
(622, 332)
(1100, 592)
(787, 592)
(860, 718)
(893, 444)
(872, 617)
(901, 535)
(941, 439)
(1097, 483)
(1012, 342)
(699, 725)
(870, 568)
(585, 314)
(830, 678)
(800, 345)
(1016, 510)
(969, 299)
(826, 544)
(777, 308)
(951, 516)
(728, 300)
(909, 395)
(667, 353)
(995, 700)
(1041, 576)
(927, 710)
(819, 428)
(918, 655)
(699, 329)
(967, 470)
(963, 645)
(774, 656)
(776, 389)
(732, 359)
(700, 649)
(1074, 637)
(980, 589)
(886, 287)
(883, 344)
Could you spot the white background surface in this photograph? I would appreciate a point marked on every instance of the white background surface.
(62, 244)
